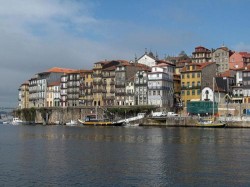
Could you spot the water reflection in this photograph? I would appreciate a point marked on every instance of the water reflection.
(108, 156)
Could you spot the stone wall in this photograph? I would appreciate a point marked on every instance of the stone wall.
(64, 115)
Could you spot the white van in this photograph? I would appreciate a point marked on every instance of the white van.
(172, 114)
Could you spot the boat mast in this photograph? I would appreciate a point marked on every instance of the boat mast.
(213, 97)
(96, 112)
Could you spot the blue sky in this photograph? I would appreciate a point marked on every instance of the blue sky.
(36, 35)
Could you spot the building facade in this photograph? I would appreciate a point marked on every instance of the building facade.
(141, 87)
(23, 99)
(73, 88)
(221, 57)
(201, 55)
(195, 77)
(160, 85)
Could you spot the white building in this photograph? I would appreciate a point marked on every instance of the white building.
(160, 85)
(147, 59)
(129, 88)
(63, 91)
(141, 87)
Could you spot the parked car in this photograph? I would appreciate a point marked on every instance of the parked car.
(171, 114)
(159, 114)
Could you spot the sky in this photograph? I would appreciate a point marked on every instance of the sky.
(36, 35)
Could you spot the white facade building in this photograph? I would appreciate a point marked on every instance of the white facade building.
(129, 100)
(147, 59)
(63, 91)
(160, 85)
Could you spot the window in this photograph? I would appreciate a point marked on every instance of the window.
(188, 76)
(193, 92)
(198, 75)
(198, 92)
(182, 76)
(193, 83)
(193, 75)
(188, 92)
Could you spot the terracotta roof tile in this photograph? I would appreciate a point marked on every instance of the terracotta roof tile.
(60, 70)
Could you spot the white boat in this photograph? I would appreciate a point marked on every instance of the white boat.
(72, 123)
(16, 121)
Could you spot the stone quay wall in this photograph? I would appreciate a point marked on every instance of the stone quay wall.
(64, 115)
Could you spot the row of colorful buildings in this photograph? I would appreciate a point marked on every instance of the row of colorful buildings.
(168, 83)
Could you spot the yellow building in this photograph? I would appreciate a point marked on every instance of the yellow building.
(108, 83)
(97, 84)
(194, 77)
(24, 95)
(86, 87)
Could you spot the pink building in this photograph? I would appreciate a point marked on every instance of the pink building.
(239, 60)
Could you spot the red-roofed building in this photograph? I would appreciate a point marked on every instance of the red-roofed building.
(239, 60)
(201, 55)
(43, 80)
(123, 73)
(99, 89)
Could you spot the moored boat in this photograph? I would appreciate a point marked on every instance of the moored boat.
(209, 123)
(71, 123)
(16, 121)
(93, 121)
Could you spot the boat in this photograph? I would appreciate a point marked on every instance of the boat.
(210, 122)
(71, 123)
(16, 121)
(92, 120)
(203, 122)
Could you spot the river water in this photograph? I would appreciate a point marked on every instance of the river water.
(119, 156)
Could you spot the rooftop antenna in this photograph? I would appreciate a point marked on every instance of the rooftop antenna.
(146, 52)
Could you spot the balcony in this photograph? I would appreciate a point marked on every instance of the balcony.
(95, 75)
(97, 82)
(120, 94)
(88, 99)
(97, 90)
(190, 87)
(109, 97)
(119, 84)
(158, 88)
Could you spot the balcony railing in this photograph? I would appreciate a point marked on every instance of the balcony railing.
(120, 94)
(190, 87)
(158, 88)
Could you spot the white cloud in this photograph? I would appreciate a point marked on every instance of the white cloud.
(36, 35)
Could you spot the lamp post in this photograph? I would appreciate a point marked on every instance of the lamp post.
(240, 109)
